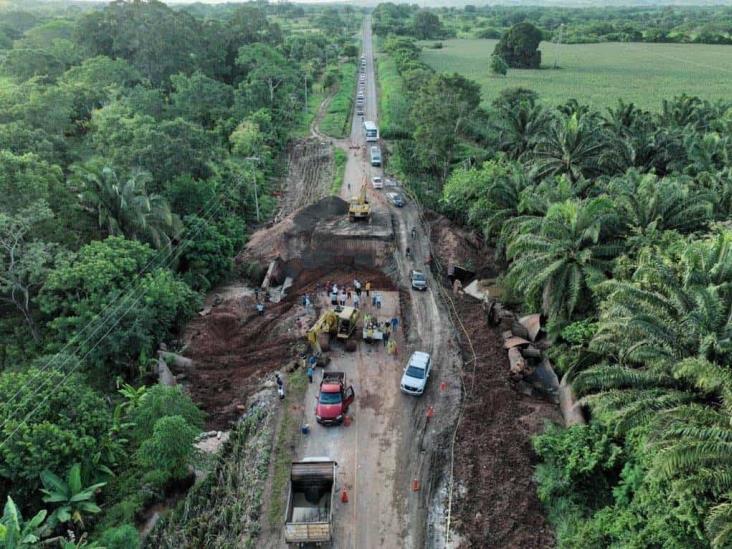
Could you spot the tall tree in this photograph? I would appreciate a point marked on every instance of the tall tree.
(571, 146)
(518, 46)
(24, 261)
(557, 259)
(123, 207)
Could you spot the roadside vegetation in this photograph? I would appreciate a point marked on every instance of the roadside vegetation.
(340, 158)
(615, 226)
(138, 147)
(337, 120)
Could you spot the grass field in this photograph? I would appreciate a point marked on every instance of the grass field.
(598, 74)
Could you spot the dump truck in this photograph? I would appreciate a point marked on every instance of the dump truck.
(334, 399)
(340, 321)
(359, 207)
(309, 514)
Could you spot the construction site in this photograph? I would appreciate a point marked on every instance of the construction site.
(449, 468)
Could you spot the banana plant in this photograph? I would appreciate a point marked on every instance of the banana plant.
(15, 533)
(74, 500)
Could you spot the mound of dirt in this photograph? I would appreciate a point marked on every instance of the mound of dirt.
(457, 246)
(306, 218)
(493, 454)
(270, 242)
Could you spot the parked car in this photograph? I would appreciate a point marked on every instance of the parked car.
(396, 199)
(419, 280)
(377, 182)
(334, 399)
(416, 373)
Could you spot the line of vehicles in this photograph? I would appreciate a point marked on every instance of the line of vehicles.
(312, 487)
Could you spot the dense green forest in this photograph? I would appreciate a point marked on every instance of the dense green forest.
(138, 145)
(692, 24)
(616, 226)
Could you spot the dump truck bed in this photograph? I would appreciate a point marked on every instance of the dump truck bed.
(310, 501)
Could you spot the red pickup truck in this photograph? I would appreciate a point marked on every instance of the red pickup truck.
(334, 399)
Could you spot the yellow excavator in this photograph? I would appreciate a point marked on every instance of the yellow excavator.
(359, 208)
(340, 321)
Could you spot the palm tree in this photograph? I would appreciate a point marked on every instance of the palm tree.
(559, 257)
(647, 205)
(124, 206)
(719, 524)
(519, 125)
(632, 146)
(503, 198)
(74, 500)
(671, 311)
(572, 146)
(670, 330)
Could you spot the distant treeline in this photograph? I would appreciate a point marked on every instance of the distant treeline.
(700, 25)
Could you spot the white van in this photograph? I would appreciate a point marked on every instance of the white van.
(375, 156)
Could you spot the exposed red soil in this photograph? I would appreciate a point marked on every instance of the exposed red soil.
(496, 504)
(459, 246)
(233, 348)
(493, 454)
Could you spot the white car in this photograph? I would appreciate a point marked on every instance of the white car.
(377, 182)
(416, 373)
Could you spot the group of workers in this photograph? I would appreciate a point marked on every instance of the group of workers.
(352, 294)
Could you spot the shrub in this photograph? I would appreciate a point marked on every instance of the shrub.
(122, 537)
(170, 447)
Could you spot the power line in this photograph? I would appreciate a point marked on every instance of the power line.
(178, 248)
(75, 339)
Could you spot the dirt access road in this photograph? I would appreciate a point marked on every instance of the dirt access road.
(390, 442)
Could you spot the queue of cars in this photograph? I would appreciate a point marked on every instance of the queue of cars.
(417, 371)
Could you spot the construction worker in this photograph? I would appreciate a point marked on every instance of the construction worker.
(368, 288)
(391, 347)
(280, 385)
(386, 337)
(310, 373)
(414, 233)
(356, 301)
(260, 308)
(378, 301)
(394, 324)
(408, 251)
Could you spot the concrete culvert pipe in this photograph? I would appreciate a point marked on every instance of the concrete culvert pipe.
(568, 405)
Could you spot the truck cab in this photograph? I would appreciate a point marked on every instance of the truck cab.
(334, 399)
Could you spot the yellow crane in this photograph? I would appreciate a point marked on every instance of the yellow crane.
(359, 208)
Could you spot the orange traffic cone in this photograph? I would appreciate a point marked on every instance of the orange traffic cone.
(430, 412)
(347, 421)
(415, 485)
(344, 497)
(443, 386)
